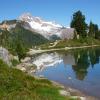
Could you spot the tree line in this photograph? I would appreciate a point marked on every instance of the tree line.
(82, 28)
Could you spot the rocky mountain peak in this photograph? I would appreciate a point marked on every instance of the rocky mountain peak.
(27, 17)
(47, 29)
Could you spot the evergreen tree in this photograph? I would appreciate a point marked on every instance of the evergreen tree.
(91, 32)
(78, 22)
(94, 31)
(20, 51)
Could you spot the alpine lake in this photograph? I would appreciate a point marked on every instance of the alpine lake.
(78, 68)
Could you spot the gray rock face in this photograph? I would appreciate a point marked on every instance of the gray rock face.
(67, 33)
(4, 55)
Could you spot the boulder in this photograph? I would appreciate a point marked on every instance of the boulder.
(5, 56)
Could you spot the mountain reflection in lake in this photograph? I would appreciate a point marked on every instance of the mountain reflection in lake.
(79, 68)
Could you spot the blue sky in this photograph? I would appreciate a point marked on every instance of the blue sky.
(53, 10)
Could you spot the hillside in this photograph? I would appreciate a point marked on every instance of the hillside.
(16, 85)
(71, 43)
(9, 22)
(27, 38)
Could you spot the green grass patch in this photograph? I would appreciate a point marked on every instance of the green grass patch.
(73, 43)
(14, 62)
(16, 85)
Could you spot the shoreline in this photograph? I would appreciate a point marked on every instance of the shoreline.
(74, 92)
(65, 90)
(33, 51)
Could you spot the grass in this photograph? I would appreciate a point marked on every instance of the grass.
(73, 43)
(14, 62)
(16, 85)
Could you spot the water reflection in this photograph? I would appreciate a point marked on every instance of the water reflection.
(47, 60)
(87, 58)
(94, 55)
(80, 60)
(68, 59)
(79, 68)
(82, 63)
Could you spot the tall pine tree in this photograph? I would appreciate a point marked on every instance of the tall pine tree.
(78, 22)
(93, 30)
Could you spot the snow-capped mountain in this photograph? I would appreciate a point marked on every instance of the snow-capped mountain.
(45, 28)
(49, 30)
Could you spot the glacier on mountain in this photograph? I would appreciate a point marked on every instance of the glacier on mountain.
(46, 28)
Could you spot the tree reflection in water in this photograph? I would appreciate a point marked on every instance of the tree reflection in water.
(85, 58)
(80, 60)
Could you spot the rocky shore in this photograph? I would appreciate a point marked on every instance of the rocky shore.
(29, 68)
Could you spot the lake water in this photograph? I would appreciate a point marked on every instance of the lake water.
(79, 69)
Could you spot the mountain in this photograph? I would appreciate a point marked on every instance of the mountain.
(46, 28)
(12, 32)
(28, 37)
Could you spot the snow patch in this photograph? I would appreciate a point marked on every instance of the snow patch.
(47, 28)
